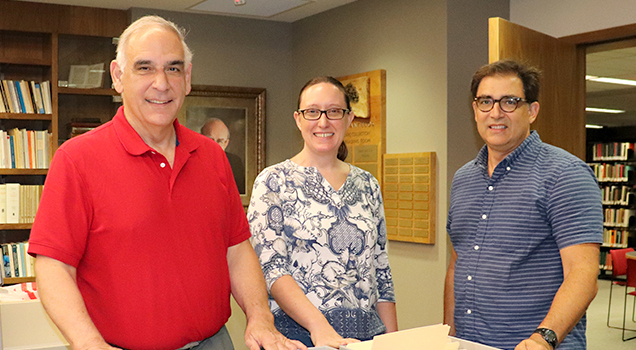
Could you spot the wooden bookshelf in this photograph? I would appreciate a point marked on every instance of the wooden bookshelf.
(94, 92)
(55, 38)
(16, 280)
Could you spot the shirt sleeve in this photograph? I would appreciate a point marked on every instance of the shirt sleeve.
(574, 209)
(61, 226)
(266, 218)
(382, 267)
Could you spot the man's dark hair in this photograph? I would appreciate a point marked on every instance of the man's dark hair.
(529, 76)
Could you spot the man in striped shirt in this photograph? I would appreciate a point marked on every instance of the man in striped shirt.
(525, 221)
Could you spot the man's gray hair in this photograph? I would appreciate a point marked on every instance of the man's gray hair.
(145, 23)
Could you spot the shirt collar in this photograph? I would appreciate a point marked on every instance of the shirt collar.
(135, 145)
(530, 143)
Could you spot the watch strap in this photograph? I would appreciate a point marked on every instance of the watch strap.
(548, 335)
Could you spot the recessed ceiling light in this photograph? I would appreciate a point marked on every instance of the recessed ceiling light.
(593, 126)
(610, 80)
(604, 110)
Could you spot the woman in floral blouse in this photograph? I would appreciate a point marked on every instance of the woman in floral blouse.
(318, 228)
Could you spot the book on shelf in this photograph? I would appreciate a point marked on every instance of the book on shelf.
(79, 126)
(16, 260)
(613, 151)
(25, 149)
(25, 97)
(46, 96)
(20, 202)
(37, 97)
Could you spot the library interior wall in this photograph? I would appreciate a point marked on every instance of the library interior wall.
(568, 17)
(407, 38)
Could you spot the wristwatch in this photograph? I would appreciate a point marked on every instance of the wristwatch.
(548, 335)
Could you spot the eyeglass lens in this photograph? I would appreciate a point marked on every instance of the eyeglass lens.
(315, 114)
(506, 103)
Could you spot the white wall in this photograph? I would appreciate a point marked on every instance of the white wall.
(567, 17)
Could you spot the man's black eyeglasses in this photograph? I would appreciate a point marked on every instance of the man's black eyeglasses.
(506, 103)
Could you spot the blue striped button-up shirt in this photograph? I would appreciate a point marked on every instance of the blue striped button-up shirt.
(507, 230)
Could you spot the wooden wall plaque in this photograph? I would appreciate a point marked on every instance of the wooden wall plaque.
(409, 196)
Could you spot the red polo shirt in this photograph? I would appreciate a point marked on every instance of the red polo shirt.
(149, 242)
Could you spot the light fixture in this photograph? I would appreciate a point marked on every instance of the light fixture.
(239, 2)
(593, 126)
(604, 110)
(610, 80)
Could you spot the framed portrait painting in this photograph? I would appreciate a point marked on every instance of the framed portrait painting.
(240, 113)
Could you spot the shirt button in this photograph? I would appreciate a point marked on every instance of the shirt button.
(476, 247)
(490, 188)
(484, 216)
(508, 168)
(153, 152)
(469, 311)
(470, 278)
(163, 165)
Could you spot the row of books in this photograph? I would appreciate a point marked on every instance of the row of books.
(618, 195)
(613, 172)
(25, 149)
(19, 203)
(21, 96)
(613, 151)
(606, 261)
(620, 217)
(615, 238)
(16, 261)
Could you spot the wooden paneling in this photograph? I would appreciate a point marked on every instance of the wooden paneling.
(63, 19)
(561, 120)
(91, 21)
(28, 16)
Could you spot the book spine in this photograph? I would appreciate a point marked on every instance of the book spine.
(13, 203)
(6, 260)
(12, 148)
(16, 262)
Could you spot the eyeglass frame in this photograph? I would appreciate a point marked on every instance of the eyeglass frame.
(344, 111)
(514, 98)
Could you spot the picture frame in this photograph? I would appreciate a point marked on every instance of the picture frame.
(242, 109)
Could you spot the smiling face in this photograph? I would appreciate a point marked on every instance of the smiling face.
(155, 81)
(503, 131)
(323, 136)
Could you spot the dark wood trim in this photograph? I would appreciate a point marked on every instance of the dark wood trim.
(97, 92)
(603, 35)
(63, 19)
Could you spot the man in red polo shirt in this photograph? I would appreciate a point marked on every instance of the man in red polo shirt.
(141, 236)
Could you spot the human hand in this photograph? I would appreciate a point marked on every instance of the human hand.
(533, 344)
(264, 335)
(330, 337)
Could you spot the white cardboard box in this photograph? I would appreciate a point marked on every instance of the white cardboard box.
(25, 325)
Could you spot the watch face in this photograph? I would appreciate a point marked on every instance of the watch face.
(548, 335)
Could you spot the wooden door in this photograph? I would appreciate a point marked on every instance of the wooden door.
(561, 120)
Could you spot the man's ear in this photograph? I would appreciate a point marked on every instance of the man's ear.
(188, 79)
(534, 111)
(115, 73)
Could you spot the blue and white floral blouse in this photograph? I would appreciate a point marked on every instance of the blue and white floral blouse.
(333, 243)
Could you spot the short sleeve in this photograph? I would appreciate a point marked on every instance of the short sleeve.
(266, 224)
(574, 210)
(61, 226)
